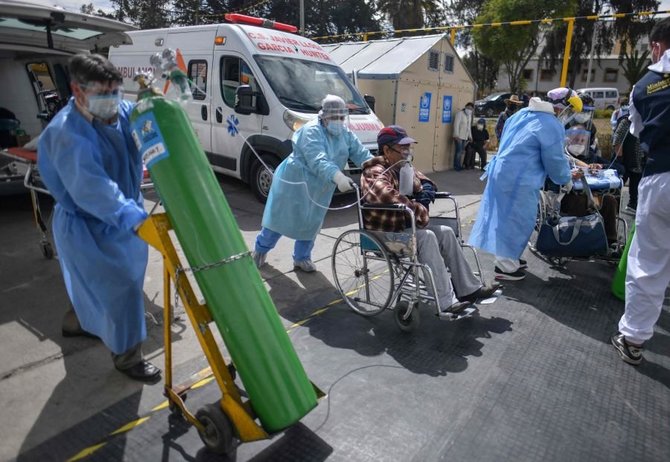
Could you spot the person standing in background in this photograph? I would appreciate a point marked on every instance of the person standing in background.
(462, 133)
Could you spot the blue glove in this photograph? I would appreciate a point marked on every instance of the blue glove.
(426, 195)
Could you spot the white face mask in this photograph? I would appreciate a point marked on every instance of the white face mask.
(576, 149)
(480, 126)
(104, 106)
(582, 117)
(468, 111)
(335, 127)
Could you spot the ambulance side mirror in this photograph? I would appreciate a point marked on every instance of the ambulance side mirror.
(244, 99)
(370, 100)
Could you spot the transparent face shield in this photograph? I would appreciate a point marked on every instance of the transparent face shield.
(577, 141)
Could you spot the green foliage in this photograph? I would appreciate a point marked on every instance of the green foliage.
(513, 46)
(602, 113)
(634, 65)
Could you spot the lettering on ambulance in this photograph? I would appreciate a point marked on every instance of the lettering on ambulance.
(288, 45)
(365, 127)
(128, 72)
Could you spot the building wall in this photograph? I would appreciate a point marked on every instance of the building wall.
(607, 73)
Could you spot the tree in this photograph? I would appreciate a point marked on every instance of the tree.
(147, 14)
(483, 68)
(513, 46)
(627, 30)
(634, 65)
(410, 14)
(89, 9)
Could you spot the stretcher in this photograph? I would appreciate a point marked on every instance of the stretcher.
(30, 176)
(32, 182)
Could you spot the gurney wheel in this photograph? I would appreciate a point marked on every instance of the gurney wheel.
(232, 371)
(218, 433)
(412, 322)
(47, 250)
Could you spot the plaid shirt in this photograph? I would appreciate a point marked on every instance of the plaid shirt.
(380, 185)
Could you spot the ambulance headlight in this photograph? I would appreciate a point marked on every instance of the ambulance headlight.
(293, 120)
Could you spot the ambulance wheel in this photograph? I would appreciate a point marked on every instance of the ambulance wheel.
(47, 250)
(218, 432)
(410, 323)
(261, 178)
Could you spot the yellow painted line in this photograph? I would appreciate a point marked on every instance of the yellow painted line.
(130, 425)
(202, 382)
(161, 406)
(86, 452)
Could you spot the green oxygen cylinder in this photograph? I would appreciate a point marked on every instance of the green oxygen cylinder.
(273, 377)
(619, 281)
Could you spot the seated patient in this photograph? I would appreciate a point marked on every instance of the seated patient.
(577, 142)
(437, 245)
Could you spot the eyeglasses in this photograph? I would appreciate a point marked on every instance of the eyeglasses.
(342, 118)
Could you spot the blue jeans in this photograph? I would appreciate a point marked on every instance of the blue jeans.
(267, 239)
(458, 154)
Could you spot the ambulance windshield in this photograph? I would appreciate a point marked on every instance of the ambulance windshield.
(301, 85)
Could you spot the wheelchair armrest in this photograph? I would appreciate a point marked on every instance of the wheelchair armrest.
(442, 195)
(383, 206)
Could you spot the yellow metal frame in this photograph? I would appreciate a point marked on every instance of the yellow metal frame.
(155, 232)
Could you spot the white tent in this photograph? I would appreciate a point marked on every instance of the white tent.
(417, 82)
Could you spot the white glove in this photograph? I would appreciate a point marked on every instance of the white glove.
(568, 186)
(343, 182)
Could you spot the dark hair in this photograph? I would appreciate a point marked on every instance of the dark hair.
(86, 68)
(661, 32)
(470, 105)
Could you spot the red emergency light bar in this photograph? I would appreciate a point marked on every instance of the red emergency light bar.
(253, 21)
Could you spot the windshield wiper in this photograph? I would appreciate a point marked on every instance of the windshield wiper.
(358, 110)
(302, 104)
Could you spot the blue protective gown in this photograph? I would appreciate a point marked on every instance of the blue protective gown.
(94, 173)
(315, 159)
(530, 150)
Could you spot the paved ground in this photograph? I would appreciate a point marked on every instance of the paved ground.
(532, 377)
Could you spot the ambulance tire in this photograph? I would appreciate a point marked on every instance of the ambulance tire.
(261, 178)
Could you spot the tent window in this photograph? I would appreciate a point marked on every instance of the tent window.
(448, 63)
(433, 61)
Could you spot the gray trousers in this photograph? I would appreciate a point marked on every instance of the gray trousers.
(439, 249)
(125, 360)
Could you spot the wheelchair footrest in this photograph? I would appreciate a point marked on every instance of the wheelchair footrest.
(466, 313)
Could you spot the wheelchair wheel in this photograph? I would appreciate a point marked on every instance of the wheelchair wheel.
(363, 272)
(406, 323)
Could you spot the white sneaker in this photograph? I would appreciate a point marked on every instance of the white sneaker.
(259, 258)
(305, 265)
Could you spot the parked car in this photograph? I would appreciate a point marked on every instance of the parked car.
(492, 105)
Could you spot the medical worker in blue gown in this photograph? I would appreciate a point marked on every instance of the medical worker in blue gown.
(90, 165)
(304, 182)
(531, 149)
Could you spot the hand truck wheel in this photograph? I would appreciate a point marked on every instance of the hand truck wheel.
(406, 323)
(218, 433)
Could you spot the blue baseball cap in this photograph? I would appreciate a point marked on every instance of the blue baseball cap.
(393, 134)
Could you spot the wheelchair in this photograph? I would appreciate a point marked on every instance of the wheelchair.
(595, 191)
(376, 270)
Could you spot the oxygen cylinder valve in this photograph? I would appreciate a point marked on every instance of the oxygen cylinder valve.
(147, 88)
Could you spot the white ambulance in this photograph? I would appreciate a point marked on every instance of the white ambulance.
(253, 80)
(36, 42)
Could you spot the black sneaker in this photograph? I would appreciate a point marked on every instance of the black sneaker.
(630, 208)
(523, 264)
(455, 308)
(515, 276)
(483, 292)
(630, 353)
